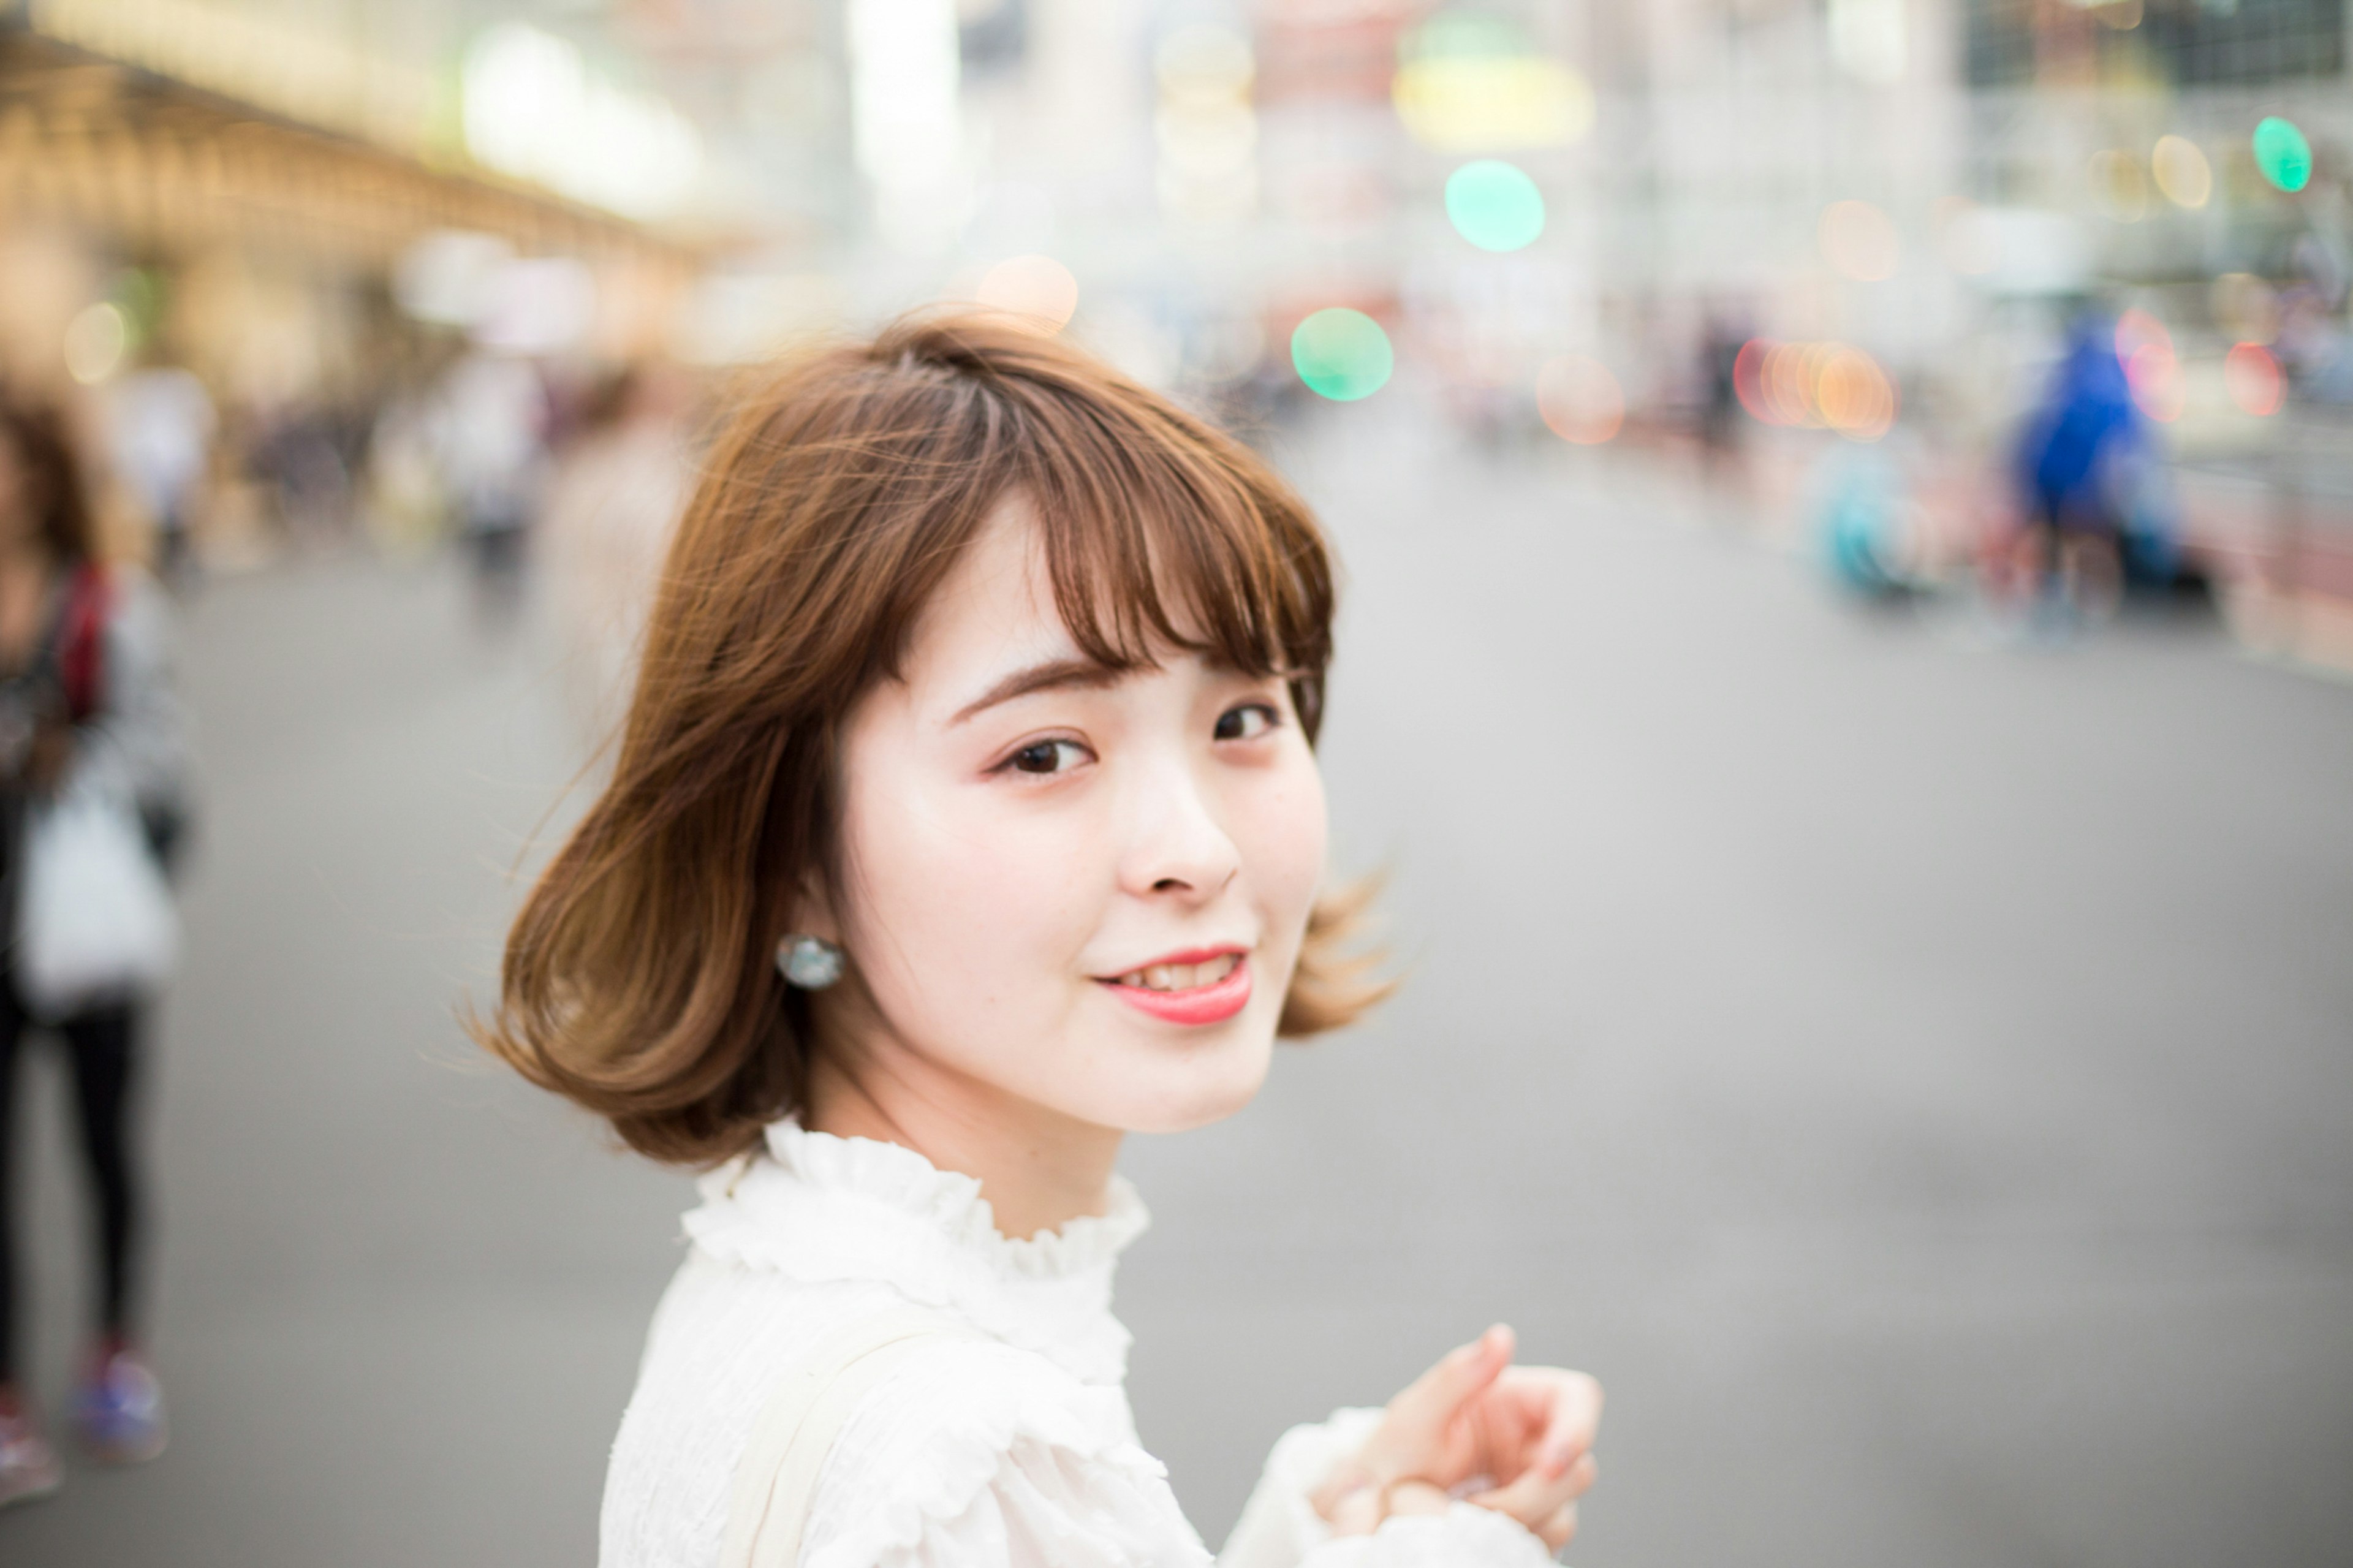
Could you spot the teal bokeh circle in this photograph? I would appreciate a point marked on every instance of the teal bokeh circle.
(2282, 154)
(1494, 205)
(1342, 354)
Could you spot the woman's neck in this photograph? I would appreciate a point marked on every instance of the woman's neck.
(1038, 1168)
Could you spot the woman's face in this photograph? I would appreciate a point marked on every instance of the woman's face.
(1076, 890)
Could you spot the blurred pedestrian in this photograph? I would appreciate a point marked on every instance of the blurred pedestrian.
(162, 424)
(1719, 411)
(2077, 455)
(966, 820)
(87, 712)
(491, 428)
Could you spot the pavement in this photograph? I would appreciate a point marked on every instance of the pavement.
(1912, 1067)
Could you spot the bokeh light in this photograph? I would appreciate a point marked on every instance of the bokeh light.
(2181, 171)
(2282, 154)
(95, 340)
(2119, 188)
(1494, 205)
(1858, 242)
(1789, 373)
(1748, 378)
(2251, 376)
(2154, 373)
(1036, 293)
(1855, 395)
(1815, 386)
(2136, 330)
(1205, 127)
(1473, 84)
(1580, 399)
(1342, 354)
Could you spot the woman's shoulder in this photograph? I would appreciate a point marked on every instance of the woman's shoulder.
(961, 1430)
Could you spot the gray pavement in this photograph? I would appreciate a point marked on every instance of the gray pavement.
(1915, 1073)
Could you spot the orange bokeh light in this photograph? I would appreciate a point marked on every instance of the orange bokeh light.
(1580, 400)
(1855, 395)
(1815, 386)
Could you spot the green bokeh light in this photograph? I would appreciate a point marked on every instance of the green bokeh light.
(1342, 354)
(2282, 154)
(1494, 205)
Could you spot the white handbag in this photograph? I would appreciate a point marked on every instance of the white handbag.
(775, 1481)
(94, 918)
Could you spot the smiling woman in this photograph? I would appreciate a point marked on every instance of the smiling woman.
(965, 819)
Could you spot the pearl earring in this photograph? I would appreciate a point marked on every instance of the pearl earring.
(811, 962)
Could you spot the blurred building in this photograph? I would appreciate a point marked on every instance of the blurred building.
(1893, 205)
(279, 201)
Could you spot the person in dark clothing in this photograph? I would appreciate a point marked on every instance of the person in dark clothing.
(85, 704)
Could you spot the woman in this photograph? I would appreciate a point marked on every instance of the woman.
(85, 703)
(965, 820)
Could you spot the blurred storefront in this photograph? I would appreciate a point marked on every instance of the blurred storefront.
(290, 216)
(1830, 245)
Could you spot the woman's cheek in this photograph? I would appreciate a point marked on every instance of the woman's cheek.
(998, 893)
(1284, 849)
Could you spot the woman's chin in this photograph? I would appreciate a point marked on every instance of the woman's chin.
(1209, 1087)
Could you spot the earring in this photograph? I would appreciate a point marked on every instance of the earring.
(811, 962)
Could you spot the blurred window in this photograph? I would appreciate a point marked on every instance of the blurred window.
(2188, 42)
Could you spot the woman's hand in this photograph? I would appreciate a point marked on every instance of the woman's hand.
(1526, 1432)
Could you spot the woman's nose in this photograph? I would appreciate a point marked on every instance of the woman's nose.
(1179, 847)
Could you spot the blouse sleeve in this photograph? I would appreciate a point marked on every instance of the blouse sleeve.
(1281, 1529)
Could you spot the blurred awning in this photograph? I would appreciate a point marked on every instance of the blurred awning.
(163, 163)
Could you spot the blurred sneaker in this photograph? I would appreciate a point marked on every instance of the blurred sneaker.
(118, 1411)
(28, 1465)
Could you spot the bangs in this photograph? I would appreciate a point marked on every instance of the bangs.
(1159, 531)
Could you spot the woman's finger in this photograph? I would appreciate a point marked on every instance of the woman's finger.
(1574, 1419)
(1560, 1528)
(1412, 1439)
(1461, 1375)
(1356, 1511)
(1542, 1490)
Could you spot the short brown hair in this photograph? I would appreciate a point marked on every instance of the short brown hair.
(639, 978)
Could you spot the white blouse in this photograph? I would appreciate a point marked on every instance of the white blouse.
(1013, 1447)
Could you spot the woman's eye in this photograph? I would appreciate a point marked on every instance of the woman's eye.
(1247, 722)
(1048, 757)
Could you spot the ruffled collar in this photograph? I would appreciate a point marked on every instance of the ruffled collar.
(824, 1209)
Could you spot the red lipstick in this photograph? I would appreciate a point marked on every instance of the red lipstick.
(1210, 1003)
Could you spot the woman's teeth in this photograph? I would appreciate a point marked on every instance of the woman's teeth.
(1182, 976)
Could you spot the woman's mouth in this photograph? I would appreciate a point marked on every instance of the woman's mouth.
(1206, 988)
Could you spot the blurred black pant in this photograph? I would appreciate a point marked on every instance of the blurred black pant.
(102, 1047)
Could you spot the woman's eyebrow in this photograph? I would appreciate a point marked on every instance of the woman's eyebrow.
(1054, 674)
